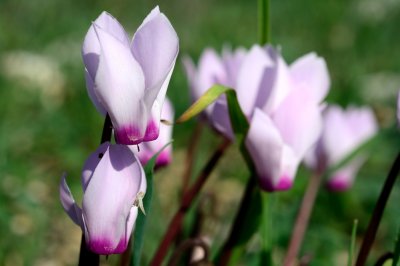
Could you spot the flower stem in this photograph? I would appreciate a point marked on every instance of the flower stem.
(263, 22)
(238, 224)
(378, 212)
(194, 141)
(302, 219)
(189, 196)
(87, 257)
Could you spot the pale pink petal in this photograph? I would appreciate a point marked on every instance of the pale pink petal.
(232, 61)
(150, 148)
(130, 224)
(311, 73)
(249, 78)
(120, 88)
(220, 120)
(91, 45)
(276, 83)
(92, 94)
(190, 70)
(153, 125)
(108, 200)
(299, 121)
(210, 71)
(338, 138)
(155, 46)
(275, 162)
(91, 163)
(362, 123)
(68, 203)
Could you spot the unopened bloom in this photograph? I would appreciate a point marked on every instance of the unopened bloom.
(150, 148)
(114, 184)
(343, 131)
(128, 79)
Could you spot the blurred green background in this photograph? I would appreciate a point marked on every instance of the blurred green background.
(48, 124)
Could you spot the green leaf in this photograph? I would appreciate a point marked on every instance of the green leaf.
(141, 219)
(238, 119)
(239, 122)
(396, 253)
(352, 244)
(210, 96)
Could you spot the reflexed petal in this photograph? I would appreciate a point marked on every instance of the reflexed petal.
(275, 162)
(92, 94)
(108, 200)
(362, 123)
(130, 225)
(150, 148)
(311, 73)
(120, 88)
(220, 119)
(233, 61)
(336, 128)
(91, 163)
(250, 76)
(155, 46)
(91, 46)
(68, 203)
(299, 121)
(190, 70)
(210, 71)
(276, 83)
(153, 124)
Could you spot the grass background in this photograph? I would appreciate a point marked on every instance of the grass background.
(48, 124)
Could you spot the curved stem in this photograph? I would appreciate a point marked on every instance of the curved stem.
(87, 257)
(302, 219)
(381, 261)
(378, 212)
(189, 196)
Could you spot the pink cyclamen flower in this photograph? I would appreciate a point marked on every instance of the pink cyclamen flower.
(343, 131)
(150, 148)
(281, 102)
(260, 76)
(128, 79)
(285, 110)
(114, 184)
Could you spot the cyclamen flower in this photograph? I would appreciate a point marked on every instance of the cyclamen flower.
(128, 79)
(150, 148)
(113, 183)
(281, 102)
(343, 132)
